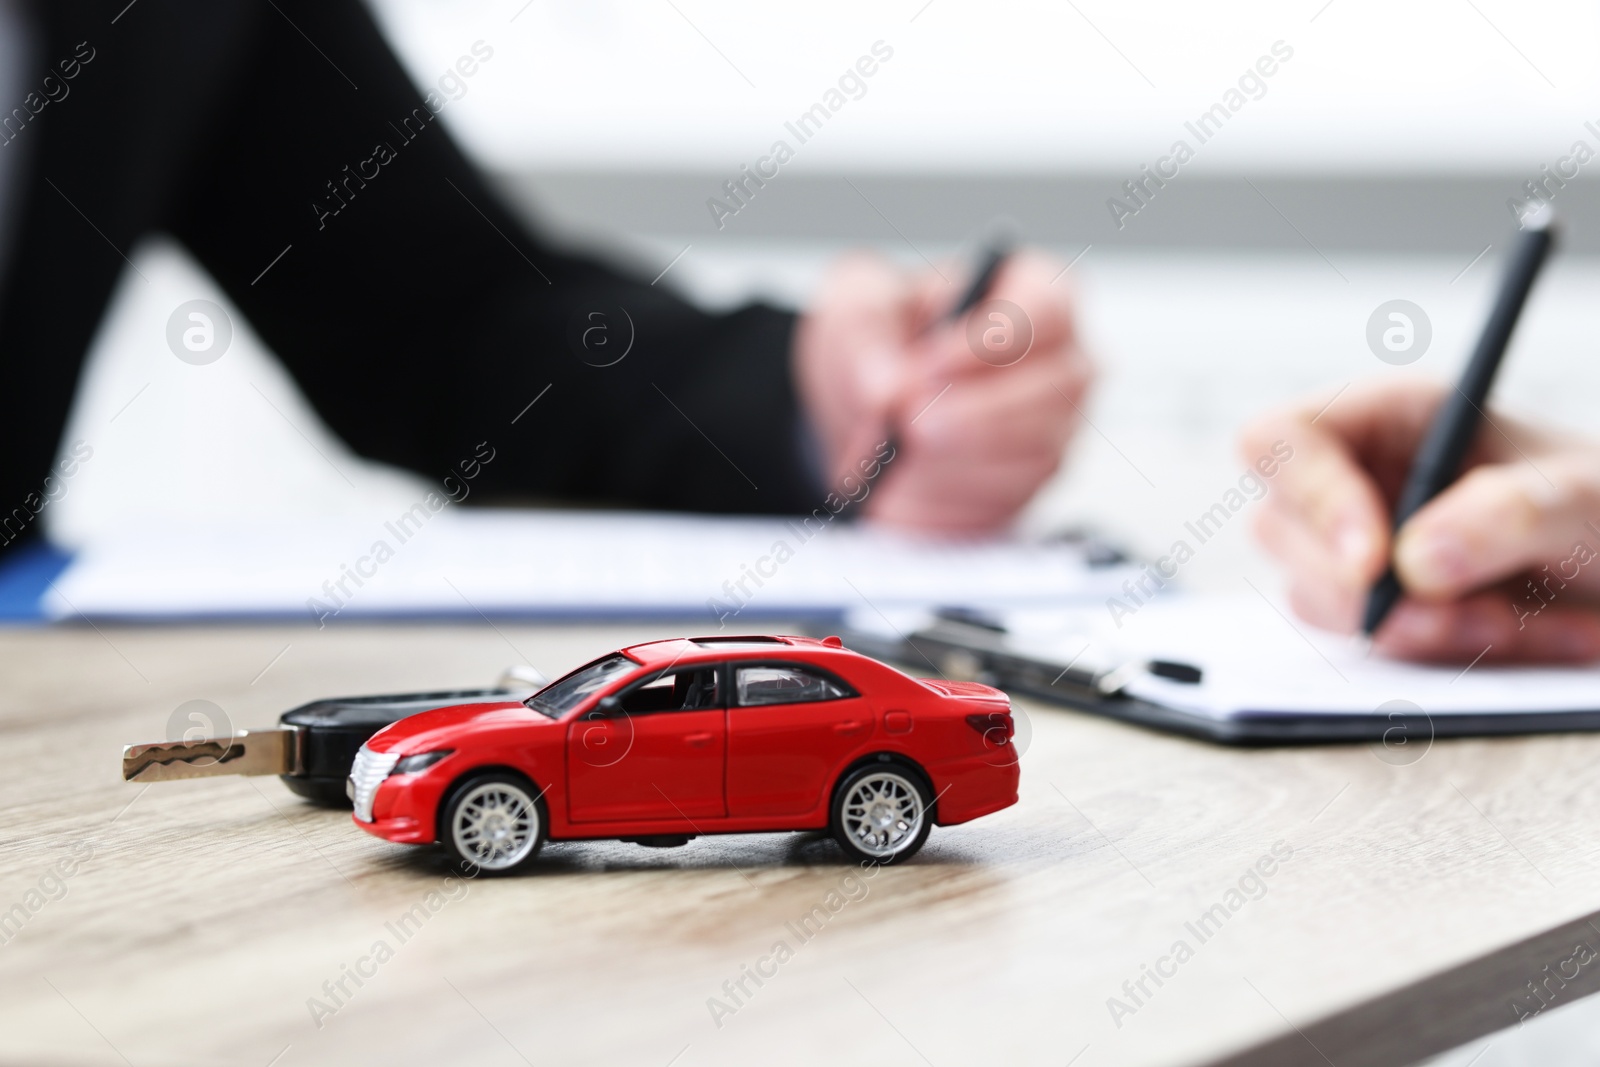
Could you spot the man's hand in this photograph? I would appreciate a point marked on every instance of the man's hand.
(1507, 559)
(976, 436)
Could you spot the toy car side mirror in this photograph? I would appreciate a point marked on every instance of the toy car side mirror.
(607, 707)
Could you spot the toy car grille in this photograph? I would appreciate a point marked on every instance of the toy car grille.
(368, 772)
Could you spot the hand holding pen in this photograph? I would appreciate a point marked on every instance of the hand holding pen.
(973, 373)
(1494, 534)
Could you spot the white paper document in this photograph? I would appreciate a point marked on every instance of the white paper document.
(1256, 656)
(558, 564)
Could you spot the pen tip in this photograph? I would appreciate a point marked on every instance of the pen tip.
(1537, 216)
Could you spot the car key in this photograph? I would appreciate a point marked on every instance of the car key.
(313, 746)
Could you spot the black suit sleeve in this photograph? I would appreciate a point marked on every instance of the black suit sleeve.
(421, 318)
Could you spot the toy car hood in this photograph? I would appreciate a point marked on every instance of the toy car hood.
(444, 727)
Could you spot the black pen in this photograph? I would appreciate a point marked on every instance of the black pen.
(1439, 457)
(994, 257)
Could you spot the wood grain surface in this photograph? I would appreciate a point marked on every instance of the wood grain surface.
(1384, 906)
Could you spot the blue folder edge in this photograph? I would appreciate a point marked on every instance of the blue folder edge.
(25, 575)
(27, 571)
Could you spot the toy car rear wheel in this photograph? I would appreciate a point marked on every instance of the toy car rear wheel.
(493, 823)
(881, 813)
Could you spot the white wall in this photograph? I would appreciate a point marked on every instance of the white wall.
(1007, 85)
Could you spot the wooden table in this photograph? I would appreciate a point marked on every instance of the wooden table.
(1406, 906)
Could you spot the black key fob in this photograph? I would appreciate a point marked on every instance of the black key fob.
(331, 731)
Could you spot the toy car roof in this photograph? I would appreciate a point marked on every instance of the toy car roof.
(679, 649)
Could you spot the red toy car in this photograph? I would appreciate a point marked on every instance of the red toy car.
(664, 741)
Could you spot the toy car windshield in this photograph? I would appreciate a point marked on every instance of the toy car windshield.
(566, 693)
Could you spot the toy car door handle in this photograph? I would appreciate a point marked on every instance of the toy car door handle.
(698, 740)
(849, 726)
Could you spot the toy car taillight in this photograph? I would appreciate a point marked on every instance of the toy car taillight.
(996, 727)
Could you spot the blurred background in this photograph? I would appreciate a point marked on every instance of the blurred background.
(1376, 162)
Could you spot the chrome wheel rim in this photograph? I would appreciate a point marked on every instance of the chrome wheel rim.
(495, 825)
(883, 813)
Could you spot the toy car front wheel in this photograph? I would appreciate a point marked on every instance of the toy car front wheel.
(881, 814)
(492, 823)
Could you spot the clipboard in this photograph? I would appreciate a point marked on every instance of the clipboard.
(962, 643)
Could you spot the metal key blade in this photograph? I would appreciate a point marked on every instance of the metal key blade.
(269, 751)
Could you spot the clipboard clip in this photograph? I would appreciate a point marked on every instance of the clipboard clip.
(1113, 682)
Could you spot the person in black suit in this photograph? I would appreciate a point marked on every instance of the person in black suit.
(284, 146)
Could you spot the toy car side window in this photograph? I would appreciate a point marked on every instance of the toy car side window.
(786, 683)
(692, 689)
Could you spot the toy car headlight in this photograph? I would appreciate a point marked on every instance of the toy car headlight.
(421, 761)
